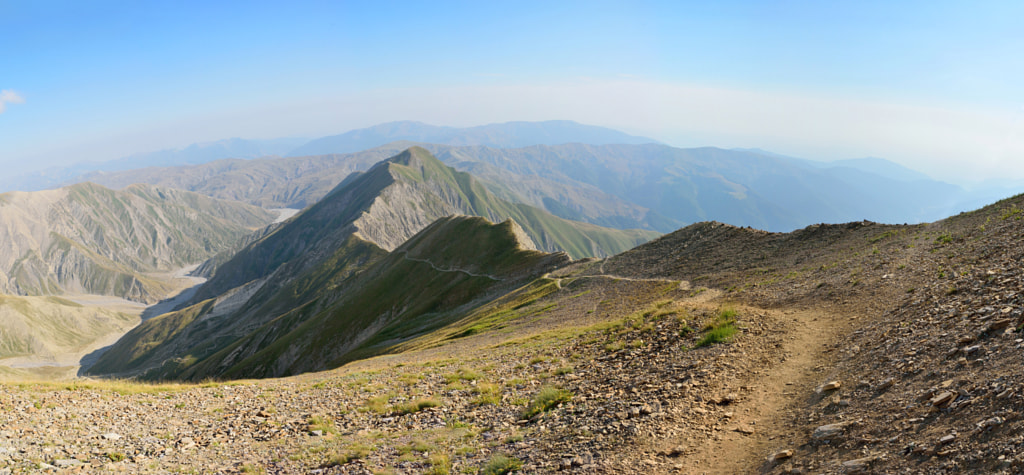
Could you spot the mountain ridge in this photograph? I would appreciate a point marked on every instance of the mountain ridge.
(502, 135)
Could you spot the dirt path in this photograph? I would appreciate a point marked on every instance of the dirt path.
(763, 415)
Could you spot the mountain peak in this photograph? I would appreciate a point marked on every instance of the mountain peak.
(523, 240)
(410, 156)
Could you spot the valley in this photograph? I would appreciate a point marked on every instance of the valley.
(107, 318)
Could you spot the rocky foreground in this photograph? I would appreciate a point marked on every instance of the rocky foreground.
(554, 402)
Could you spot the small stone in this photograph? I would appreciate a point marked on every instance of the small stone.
(673, 452)
(744, 430)
(728, 399)
(829, 386)
(316, 433)
(111, 436)
(858, 465)
(947, 439)
(65, 463)
(780, 455)
(942, 399)
(830, 430)
(989, 423)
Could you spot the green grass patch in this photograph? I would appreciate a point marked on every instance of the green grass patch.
(464, 375)
(321, 423)
(377, 404)
(546, 399)
(500, 464)
(719, 330)
(416, 405)
(487, 393)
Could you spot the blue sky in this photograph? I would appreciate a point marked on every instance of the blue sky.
(934, 85)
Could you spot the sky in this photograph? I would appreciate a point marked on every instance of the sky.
(934, 85)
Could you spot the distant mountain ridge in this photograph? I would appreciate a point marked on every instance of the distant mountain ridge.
(297, 182)
(647, 186)
(190, 155)
(504, 135)
(638, 185)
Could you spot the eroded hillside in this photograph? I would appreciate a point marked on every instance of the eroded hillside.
(90, 239)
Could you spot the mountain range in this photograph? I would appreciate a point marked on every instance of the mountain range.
(505, 135)
(648, 186)
(190, 155)
(303, 267)
(583, 173)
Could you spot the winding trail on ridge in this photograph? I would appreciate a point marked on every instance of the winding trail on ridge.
(405, 254)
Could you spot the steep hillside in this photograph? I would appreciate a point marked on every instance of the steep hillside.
(90, 239)
(361, 300)
(506, 135)
(47, 327)
(428, 282)
(352, 228)
(391, 202)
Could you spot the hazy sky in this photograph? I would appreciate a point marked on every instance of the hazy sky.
(937, 86)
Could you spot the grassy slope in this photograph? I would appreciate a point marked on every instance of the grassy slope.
(133, 349)
(548, 231)
(154, 341)
(394, 300)
(51, 325)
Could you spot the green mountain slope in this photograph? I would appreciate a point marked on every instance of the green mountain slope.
(89, 239)
(435, 278)
(303, 266)
(391, 202)
(50, 326)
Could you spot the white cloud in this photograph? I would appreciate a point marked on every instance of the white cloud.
(8, 96)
